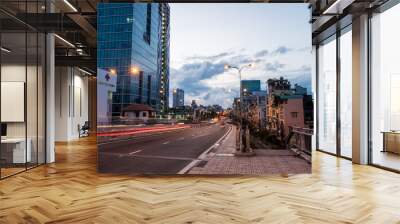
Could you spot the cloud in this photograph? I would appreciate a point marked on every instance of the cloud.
(189, 76)
(239, 59)
(221, 96)
(204, 79)
(278, 51)
(210, 57)
(281, 50)
(261, 53)
(274, 67)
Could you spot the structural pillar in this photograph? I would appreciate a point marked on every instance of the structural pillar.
(50, 98)
(360, 89)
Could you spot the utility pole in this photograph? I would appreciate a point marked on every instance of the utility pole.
(244, 133)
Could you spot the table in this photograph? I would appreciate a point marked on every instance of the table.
(391, 141)
(13, 150)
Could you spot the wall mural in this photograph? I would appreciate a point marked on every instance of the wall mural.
(204, 89)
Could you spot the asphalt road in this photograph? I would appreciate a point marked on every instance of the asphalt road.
(163, 153)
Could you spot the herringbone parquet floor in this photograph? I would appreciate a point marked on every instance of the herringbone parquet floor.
(71, 191)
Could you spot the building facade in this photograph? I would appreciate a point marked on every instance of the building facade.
(287, 107)
(254, 108)
(178, 98)
(133, 43)
(163, 52)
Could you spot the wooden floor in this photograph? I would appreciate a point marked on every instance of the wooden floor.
(71, 191)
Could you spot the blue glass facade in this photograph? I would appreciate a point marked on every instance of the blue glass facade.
(250, 86)
(178, 98)
(129, 43)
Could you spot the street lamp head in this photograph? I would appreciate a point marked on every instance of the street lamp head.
(134, 70)
(226, 66)
(251, 65)
(113, 71)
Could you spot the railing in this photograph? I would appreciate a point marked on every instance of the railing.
(299, 140)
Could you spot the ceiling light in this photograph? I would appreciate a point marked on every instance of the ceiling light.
(70, 5)
(64, 40)
(5, 50)
(337, 7)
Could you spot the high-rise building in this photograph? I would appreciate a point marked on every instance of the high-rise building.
(133, 43)
(249, 86)
(163, 52)
(194, 104)
(178, 98)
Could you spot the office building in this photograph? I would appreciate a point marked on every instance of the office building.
(164, 59)
(178, 98)
(133, 41)
(193, 104)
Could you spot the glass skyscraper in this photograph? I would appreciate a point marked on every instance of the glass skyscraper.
(178, 98)
(133, 44)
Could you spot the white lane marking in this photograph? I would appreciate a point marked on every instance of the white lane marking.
(165, 143)
(134, 152)
(202, 135)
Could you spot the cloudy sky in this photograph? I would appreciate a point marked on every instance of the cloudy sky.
(204, 37)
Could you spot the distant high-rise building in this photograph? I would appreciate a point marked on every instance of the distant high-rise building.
(178, 98)
(250, 86)
(133, 43)
(163, 52)
(194, 104)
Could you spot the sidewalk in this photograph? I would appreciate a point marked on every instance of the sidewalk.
(267, 161)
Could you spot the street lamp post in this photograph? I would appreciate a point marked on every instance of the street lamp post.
(244, 150)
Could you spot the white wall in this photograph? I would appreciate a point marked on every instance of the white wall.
(33, 126)
(106, 85)
(71, 103)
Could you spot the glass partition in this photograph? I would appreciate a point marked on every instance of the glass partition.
(13, 94)
(385, 89)
(327, 96)
(22, 76)
(346, 94)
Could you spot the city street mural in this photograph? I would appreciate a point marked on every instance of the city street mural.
(200, 89)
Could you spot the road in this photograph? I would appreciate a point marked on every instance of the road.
(162, 153)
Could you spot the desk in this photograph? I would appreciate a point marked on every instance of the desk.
(391, 141)
(13, 150)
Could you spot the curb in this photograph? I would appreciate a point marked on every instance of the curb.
(192, 164)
